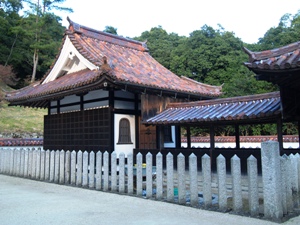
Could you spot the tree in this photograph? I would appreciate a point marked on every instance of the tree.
(111, 30)
(39, 18)
(9, 20)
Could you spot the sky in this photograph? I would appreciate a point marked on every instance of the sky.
(248, 20)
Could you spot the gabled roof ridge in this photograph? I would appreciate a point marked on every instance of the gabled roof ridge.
(103, 36)
(259, 55)
(200, 83)
(247, 98)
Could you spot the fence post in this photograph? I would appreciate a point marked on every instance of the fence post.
(253, 185)
(30, 159)
(18, 169)
(121, 172)
(15, 156)
(130, 173)
(79, 169)
(34, 163)
(73, 167)
(52, 165)
(85, 169)
(26, 156)
(283, 168)
(67, 167)
(98, 170)
(271, 180)
(294, 176)
(114, 171)
(1, 159)
(42, 176)
(139, 174)
(56, 167)
(289, 191)
(222, 191)
(181, 178)
(149, 179)
(38, 164)
(206, 168)
(62, 167)
(11, 160)
(159, 176)
(298, 159)
(92, 170)
(106, 171)
(170, 177)
(236, 183)
(193, 173)
(47, 165)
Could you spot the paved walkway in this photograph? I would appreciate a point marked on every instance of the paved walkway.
(24, 201)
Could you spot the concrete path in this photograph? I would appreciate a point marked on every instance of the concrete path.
(31, 202)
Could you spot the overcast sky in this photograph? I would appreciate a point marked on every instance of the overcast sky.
(249, 20)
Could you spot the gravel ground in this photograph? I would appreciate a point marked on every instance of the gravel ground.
(24, 201)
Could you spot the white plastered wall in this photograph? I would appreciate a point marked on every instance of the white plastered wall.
(125, 148)
(68, 54)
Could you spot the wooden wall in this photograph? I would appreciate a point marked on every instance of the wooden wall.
(83, 130)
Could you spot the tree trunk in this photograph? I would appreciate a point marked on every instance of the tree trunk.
(11, 50)
(35, 63)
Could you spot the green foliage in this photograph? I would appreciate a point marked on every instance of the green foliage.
(111, 30)
(213, 56)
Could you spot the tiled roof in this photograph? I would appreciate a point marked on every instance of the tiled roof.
(21, 142)
(129, 64)
(227, 110)
(67, 83)
(283, 58)
(246, 139)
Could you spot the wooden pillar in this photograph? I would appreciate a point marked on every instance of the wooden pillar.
(212, 136)
(279, 134)
(112, 120)
(237, 136)
(188, 136)
(81, 103)
(177, 137)
(212, 142)
(137, 121)
(49, 107)
(161, 137)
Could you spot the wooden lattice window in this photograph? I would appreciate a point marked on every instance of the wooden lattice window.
(124, 132)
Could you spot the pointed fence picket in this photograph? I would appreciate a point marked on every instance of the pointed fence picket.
(186, 185)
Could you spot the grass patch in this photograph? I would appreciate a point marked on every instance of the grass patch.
(18, 120)
(15, 119)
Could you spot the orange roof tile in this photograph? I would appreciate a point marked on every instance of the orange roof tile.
(130, 64)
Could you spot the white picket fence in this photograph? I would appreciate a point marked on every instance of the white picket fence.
(274, 194)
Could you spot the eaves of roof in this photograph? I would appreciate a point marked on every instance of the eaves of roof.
(228, 110)
(283, 58)
(73, 83)
(129, 63)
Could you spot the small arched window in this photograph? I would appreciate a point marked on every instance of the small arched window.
(124, 132)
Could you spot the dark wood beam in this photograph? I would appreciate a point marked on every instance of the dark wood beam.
(188, 136)
(212, 136)
(237, 136)
(279, 134)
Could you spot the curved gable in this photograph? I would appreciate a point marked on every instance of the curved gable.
(68, 61)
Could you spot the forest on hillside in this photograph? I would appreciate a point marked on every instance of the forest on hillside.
(29, 42)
